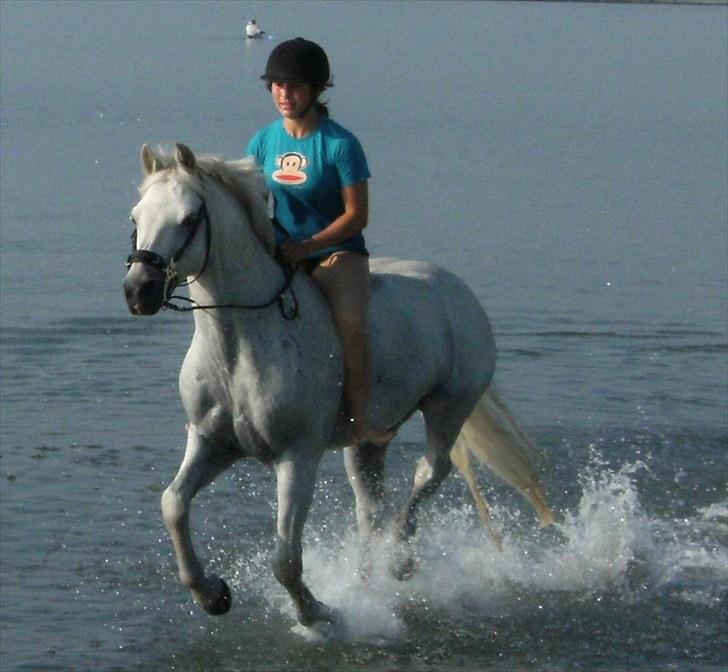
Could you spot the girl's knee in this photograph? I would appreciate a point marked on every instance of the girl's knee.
(351, 325)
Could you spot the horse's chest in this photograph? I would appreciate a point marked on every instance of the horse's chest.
(263, 405)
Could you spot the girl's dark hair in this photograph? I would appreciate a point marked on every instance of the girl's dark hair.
(322, 109)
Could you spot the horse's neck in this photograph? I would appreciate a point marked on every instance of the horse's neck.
(239, 269)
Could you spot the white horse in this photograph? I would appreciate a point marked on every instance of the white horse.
(262, 377)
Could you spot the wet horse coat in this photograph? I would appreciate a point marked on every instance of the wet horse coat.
(266, 383)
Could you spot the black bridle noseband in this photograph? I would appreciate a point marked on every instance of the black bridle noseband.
(171, 279)
(169, 269)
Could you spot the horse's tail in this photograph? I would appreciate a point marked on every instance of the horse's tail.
(492, 435)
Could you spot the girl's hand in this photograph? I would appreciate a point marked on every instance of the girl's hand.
(293, 253)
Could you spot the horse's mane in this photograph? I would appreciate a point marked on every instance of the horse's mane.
(242, 179)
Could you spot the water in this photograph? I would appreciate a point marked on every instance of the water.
(568, 160)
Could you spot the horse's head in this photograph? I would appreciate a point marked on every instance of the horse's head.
(171, 237)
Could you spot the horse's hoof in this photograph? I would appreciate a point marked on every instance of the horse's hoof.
(323, 625)
(317, 613)
(403, 569)
(328, 615)
(222, 605)
(325, 630)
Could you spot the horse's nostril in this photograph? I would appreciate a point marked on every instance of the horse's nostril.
(144, 295)
(148, 289)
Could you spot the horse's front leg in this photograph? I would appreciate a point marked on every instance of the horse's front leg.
(296, 476)
(202, 463)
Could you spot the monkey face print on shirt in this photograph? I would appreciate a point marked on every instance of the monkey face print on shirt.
(290, 168)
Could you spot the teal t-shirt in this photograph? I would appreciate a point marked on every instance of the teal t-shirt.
(305, 177)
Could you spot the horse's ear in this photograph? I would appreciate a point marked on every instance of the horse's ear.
(184, 157)
(150, 164)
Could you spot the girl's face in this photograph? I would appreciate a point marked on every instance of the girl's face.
(293, 99)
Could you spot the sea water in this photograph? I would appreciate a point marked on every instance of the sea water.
(568, 160)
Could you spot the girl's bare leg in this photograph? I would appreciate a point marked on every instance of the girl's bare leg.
(343, 279)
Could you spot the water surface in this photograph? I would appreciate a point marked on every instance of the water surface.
(567, 159)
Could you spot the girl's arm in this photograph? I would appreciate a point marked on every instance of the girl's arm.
(352, 221)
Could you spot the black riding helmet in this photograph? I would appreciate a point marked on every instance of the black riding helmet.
(298, 60)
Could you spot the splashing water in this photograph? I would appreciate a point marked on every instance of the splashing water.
(608, 547)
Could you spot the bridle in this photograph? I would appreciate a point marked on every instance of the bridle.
(169, 268)
(171, 278)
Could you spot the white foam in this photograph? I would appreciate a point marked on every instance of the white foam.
(608, 543)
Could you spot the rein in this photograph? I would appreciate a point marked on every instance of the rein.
(171, 279)
(287, 314)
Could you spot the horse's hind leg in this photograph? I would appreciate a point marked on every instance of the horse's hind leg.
(296, 476)
(365, 469)
(203, 462)
(442, 427)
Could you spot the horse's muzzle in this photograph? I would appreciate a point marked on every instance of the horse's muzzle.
(144, 290)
